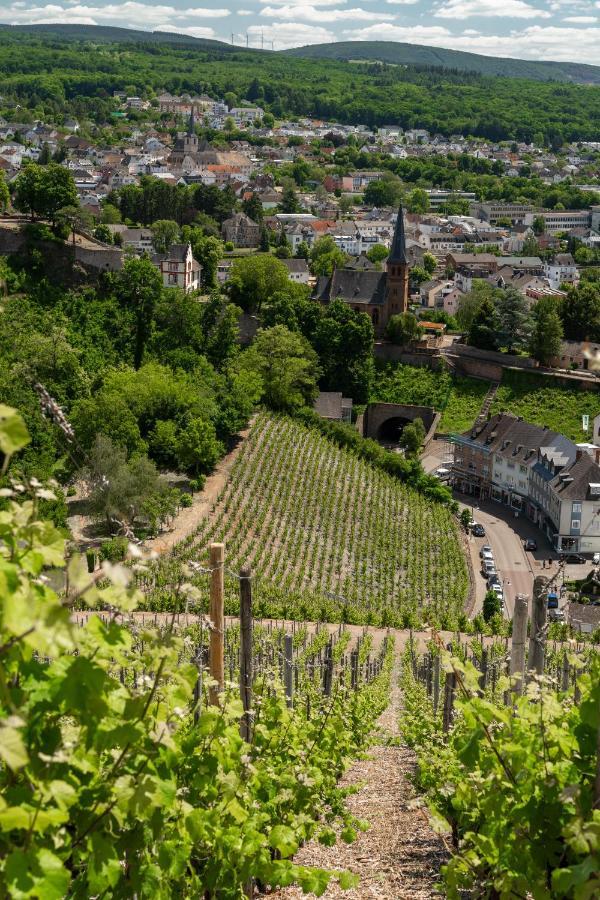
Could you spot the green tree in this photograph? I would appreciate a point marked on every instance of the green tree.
(539, 225)
(417, 201)
(4, 194)
(386, 191)
(403, 328)
(253, 280)
(110, 214)
(253, 208)
(491, 606)
(429, 263)
(139, 288)
(289, 200)
(287, 365)
(547, 333)
(208, 251)
(42, 190)
(412, 437)
(483, 331)
(73, 218)
(197, 447)
(377, 253)
(469, 303)
(344, 341)
(103, 233)
(513, 318)
(302, 250)
(164, 233)
(325, 256)
(580, 312)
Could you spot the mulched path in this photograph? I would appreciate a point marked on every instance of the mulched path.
(400, 855)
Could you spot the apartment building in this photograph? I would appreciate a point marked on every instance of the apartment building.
(535, 472)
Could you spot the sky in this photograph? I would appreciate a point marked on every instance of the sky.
(567, 30)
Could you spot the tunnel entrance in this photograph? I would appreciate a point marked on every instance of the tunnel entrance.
(390, 431)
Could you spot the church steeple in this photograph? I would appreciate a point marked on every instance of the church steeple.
(192, 122)
(190, 141)
(396, 288)
(398, 248)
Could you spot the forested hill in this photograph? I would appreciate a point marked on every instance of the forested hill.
(397, 53)
(110, 33)
(53, 75)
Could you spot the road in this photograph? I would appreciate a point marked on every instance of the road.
(505, 534)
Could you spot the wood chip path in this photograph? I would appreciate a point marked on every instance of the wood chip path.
(400, 855)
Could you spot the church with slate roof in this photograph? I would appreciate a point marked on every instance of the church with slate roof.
(380, 294)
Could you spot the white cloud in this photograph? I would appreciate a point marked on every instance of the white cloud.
(401, 2)
(200, 32)
(292, 34)
(245, 12)
(581, 20)
(514, 9)
(312, 14)
(129, 14)
(535, 42)
(300, 3)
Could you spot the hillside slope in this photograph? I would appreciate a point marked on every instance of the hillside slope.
(398, 53)
(327, 535)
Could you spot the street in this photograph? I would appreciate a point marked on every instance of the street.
(505, 534)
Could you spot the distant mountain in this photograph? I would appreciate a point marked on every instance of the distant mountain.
(417, 54)
(114, 34)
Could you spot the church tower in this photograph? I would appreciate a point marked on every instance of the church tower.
(190, 141)
(396, 290)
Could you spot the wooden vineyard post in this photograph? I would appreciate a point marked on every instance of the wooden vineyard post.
(217, 595)
(537, 638)
(246, 661)
(448, 700)
(519, 636)
(288, 670)
(565, 670)
(436, 683)
(328, 669)
(354, 669)
(484, 670)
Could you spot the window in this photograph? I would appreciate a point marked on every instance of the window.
(523, 469)
(577, 507)
(575, 523)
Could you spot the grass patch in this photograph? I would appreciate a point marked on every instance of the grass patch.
(459, 399)
(540, 402)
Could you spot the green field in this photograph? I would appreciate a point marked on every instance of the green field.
(458, 399)
(536, 399)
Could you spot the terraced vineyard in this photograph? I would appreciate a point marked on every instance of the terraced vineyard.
(327, 536)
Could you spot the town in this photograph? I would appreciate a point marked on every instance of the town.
(299, 468)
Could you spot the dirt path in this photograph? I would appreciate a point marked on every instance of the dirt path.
(400, 855)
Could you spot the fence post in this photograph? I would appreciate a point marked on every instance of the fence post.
(436, 683)
(484, 670)
(519, 636)
(246, 661)
(354, 670)
(565, 671)
(448, 700)
(217, 592)
(327, 669)
(537, 638)
(288, 670)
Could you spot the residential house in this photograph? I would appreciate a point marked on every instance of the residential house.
(179, 268)
(561, 269)
(241, 230)
(298, 270)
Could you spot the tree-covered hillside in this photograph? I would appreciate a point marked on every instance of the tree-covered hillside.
(402, 54)
(51, 75)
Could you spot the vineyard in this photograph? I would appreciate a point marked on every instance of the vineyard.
(130, 766)
(328, 537)
(509, 762)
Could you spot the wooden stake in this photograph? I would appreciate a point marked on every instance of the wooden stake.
(246, 661)
(448, 700)
(217, 594)
(288, 670)
(537, 638)
(519, 636)
(436, 683)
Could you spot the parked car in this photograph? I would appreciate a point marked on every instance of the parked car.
(488, 570)
(493, 580)
(596, 559)
(487, 556)
(486, 549)
(478, 530)
(552, 600)
(572, 558)
(556, 615)
(442, 473)
(530, 544)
